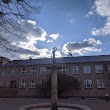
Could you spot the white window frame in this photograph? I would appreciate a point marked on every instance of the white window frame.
(99, 68)
(88, 83)
(100, 83)
(32, 84)
(64, 70)
(43, 70)
(23, 71)
(86, 69)
(4, 73)
(33, 71)
(14, 72)
(22, 84)
(75, 69)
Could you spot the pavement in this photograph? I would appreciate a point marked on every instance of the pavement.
(50, 109)
(16, 103)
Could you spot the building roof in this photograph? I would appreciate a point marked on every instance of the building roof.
(63, 60)
(3, 60)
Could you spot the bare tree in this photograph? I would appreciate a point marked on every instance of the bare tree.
(11, 12)
(65, 83)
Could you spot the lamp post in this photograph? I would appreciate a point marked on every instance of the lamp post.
(54, 91)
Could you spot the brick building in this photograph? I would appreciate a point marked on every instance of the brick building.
(3, 60)
(20, 77)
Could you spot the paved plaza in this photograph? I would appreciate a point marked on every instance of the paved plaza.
(15, 103)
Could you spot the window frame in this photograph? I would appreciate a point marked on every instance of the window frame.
(87, 69)
(64, 69)
(75, 69)
(22, 84)
(23, 71)
(43, 71)
(88, 83)
(13, 72)
(99, 69)
(33, 72)
(108, 68)
(100, 83)
(4, 72)
(31, 84)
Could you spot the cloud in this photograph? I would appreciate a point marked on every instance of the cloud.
(89, 13)
(55, 36)
(82, 47)
(58, 54)
(72, 20)
(24, 45)
(43, 53)
(49, 41)
(102, 8)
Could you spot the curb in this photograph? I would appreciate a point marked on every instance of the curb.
(46, 105)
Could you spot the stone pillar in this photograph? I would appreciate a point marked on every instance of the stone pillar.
(54, 93)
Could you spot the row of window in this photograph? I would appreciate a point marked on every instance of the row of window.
(33, 71)
(89, 84)
(86, 69)
(75, 70)
(22, 84)
(32, 84)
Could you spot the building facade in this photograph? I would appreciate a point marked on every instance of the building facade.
(21, 77)
(3, 60)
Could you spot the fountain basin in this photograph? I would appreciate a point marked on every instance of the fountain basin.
(61, 106)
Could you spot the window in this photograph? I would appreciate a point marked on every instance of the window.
(13, 84)
(86, 69)
(32, 84)
(108, 68)
(98, 68)
(64, 70)
(75, 70)
(22, 84)
(23, 71)
(2, 84)
(33, 71)
(43, 81)
(43, 70)
(4, 73)
(100, 83)
(88, 83)
(14, 72)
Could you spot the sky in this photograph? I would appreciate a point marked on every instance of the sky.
(81, 27)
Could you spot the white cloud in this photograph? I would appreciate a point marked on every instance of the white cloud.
(102, 8)
(58, 54)
(89, 13)
(49, 41)
(43, 53)
(82, 47)
(55, 36)
(24, 45)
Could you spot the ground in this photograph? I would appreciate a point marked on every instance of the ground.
(15, 103)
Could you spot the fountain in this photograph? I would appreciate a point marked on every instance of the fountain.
(54, 105)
